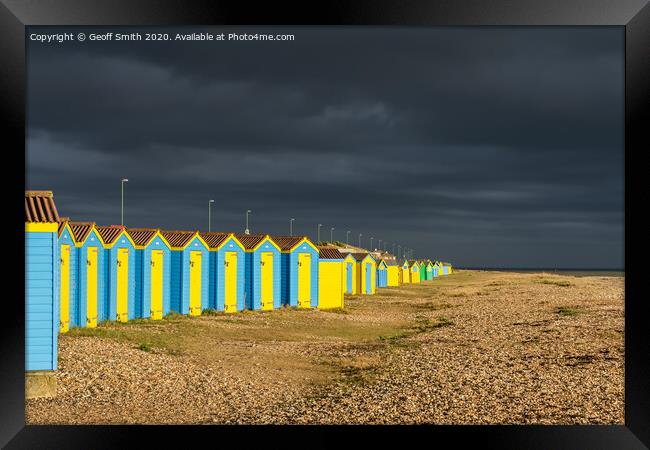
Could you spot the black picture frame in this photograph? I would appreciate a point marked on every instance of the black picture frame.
(633, 15)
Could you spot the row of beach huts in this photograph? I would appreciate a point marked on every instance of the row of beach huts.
(78, 274)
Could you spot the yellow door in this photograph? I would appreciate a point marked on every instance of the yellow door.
(195, 283)
(267, 281)
(304, 280)
(65, 289)
(156, 284)
(230, 278)
(123, 284)
(91, 288)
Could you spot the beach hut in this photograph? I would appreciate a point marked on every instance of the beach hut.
(119, 272)
(366, 273)
(382, 274)
(437, 271)
(404, 272)
(152, 273)
(423, 269)
(68, 276)
(331, 278)
(42, 317)
(262, 271)
(414, 270)
(446, 268)
(299, 271)
(393, 271)
(189, 277)
(227, 289)
(350, 266)
(429, 272)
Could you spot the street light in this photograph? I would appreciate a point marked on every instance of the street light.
(210, 202)
(247, 231)
(319, 225)
(124, 180)
(291, 226)
(360, 239)
(331, 235)
(347, 237)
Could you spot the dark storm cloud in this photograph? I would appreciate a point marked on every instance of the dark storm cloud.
(482, 146)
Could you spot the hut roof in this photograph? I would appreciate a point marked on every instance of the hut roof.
(412, 262)
(142, 236)
(250, 241)
(329, 253)
(286, 243)
(215, 238)
(109, 233)
(178, 238)
(40, 207)
(359, 256)
(81, 230)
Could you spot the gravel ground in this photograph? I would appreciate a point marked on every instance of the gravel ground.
(472, 348)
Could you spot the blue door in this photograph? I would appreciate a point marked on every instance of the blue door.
(349, 278)
(378, 278)
(368, 278)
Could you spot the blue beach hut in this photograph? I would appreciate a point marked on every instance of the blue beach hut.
(68, 268)
(299, 274)
(152, 273)
(262, 274)
(227, 271)
(189, 272)
(42, 315)
(382, 274)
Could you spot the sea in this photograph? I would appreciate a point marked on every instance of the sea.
(570, 272)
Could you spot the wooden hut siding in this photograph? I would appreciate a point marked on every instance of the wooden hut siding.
(331, 278)
(313, 278)
(144, 258)
(42, 315)
(350, 267)
(284, 279)
(66, 239)
(175, 281)
(139, 276)
(217, 273)
(253, 275)
(393, 272)
(382, 274)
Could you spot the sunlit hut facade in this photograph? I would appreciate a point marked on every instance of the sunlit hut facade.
(366, 273)
(414, 271)
(405, 276)
(382, 273)
(152, 273)
(42, 315)
(119, 251)
(68, 268)
(227, 290)
(299, 271)
(189, 272)
(331, 278)
(89, 306)
(446, 268)
(350, 267)
(429, 271)
(393, 272)
(423, 269)
(262, 271)
(437, 269)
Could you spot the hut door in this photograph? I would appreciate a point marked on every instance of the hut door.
(91, 288)
(230, 301)
(350, 269)
(156, 284)
(267, 281)
(195, 283)
(304, 282)
(122, 284)
(368, 278)
(64, 324)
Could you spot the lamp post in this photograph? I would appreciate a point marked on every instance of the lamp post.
(371, 238)
(360, 239)
(347, 237)
(291, 226)
(124, 180)
(331, 235)
(210, 202)
(319, 225)
(247, 231)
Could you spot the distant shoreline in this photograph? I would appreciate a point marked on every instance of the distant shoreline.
(574, 272)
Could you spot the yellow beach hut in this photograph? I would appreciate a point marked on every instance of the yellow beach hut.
(331, 278)
(366, 273)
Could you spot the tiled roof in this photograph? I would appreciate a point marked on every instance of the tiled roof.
(412, 262)
(40, 207)
(178, 238)
(214, 238)
(81, 230)
(359, 256)
(62, 222)
(142, 236)
(287, 242)
(109, 233)
(250, 241)
(329, 253)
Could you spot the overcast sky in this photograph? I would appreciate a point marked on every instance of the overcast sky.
(485, 147)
